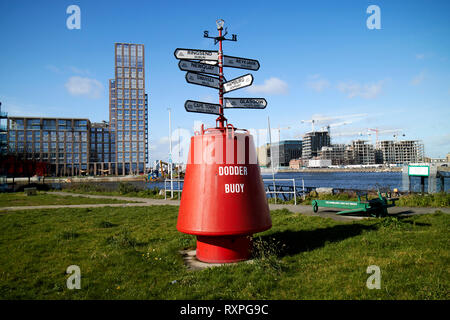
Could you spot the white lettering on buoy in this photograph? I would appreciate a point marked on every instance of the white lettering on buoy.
(234, 187)
(233, 171)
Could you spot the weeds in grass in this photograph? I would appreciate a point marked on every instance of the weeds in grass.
(106, 224)
(122, 239)
(440, 199)
(126, 187)
(266, 253)
(68, 235)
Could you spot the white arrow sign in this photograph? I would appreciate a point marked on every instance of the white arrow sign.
(202, 107)
(202, 80)
(241, 63)
(198, 67)
(238, 83)
(196, 54)
(246, 103)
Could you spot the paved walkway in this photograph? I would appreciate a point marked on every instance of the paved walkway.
(144, 202)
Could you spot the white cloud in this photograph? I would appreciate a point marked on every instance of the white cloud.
(87, 87)
(317, 83)
(366, 91)
(418, 79)
(270, 86)
(79, 71)
(53, 68)
(420, 56)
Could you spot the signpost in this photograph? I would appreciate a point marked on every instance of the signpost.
(194, 66)
(238, 83)
(245, 103)
(202, 80)
(199, 64)
(195, 54)
(202, 107)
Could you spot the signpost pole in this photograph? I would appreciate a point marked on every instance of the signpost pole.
(221, 118)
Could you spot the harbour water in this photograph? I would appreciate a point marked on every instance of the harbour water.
(337, 180)
(342, 180)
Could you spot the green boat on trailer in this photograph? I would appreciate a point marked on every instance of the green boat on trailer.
(376, 207)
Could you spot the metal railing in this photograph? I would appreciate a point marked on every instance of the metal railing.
(171, 187)
(276, 192)
(179, 189)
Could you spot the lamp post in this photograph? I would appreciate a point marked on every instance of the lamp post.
(170, 155)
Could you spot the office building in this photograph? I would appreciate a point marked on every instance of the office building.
(129, 109)
(285, 151)
(63, 143)
(313, 143)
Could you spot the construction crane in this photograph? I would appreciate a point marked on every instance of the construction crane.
(318, 119)
(378, 132)
(279, 133)
(334, 125)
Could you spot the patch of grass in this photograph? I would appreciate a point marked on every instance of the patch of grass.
(68, 235)
(133, 253)
(106, 224)
(124, 189)
(21, 199)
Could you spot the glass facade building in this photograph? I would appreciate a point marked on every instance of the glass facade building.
(61, 142)
(128, 116)
(77, 146)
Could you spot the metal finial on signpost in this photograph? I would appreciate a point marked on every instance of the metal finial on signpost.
(220, 24)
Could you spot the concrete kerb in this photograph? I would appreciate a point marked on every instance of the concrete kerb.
(193, 264)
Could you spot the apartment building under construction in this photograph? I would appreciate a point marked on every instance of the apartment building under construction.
(401, 152)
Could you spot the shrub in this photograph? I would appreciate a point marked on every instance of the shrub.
(126, 187)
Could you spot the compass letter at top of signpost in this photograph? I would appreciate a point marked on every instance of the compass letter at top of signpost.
(201, 64)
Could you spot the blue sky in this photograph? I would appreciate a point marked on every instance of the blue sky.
(318, 60)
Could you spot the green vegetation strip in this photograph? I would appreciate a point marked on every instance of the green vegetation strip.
(123, 189)
(21, 199)
(133, 253)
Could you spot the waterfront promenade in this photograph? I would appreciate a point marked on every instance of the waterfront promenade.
(144, 202)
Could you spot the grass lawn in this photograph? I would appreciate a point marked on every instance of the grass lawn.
(21, 199)
(132, 253)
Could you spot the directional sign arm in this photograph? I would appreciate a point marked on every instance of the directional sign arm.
(238, 83)
(202, 107)
(195, 54)
(245, 103)
(241, 63)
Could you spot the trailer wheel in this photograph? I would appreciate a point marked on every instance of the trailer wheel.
(315, 207)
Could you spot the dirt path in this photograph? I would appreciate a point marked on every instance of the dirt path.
(144, 202)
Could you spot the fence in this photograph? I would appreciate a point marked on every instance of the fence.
(172, 190)
(279, 189)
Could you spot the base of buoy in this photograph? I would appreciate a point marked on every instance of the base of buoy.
(224, 249)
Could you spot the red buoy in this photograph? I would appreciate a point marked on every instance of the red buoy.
(223, 201)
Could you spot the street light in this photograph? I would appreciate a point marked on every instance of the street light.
(170, 155)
